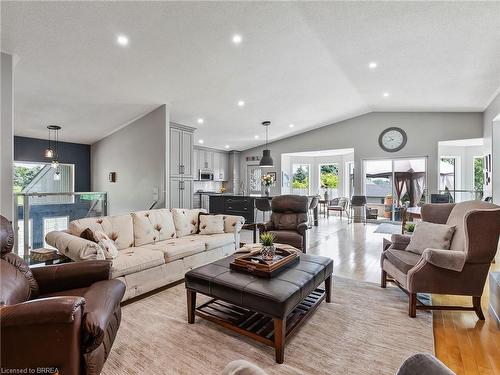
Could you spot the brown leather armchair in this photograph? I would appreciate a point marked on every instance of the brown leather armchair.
(288, 220)
(461, 270)
(62, 317)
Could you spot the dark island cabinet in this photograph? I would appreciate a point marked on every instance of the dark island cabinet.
(233, 205)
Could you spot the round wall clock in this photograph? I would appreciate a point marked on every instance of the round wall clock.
(392, 139)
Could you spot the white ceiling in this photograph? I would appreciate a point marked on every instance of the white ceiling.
(304, 63)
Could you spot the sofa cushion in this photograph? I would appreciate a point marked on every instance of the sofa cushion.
(119, 228)
(153, 226)
(211, 224)
(186, 221)
(135, 259)
(430, 236)
(213, 241)
(289, 237)
(401, 259)
(177, 248)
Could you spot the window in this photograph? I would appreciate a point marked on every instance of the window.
(447, 174)
(300, 179)
(20, 237)
(329, 179)
(478, 176)
(42, 178)
(51, 224)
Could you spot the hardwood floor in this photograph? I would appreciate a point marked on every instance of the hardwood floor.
(464, 343)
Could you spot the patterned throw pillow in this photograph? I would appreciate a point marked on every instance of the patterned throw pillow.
(211, 224)
(107, 245)
(186, 221)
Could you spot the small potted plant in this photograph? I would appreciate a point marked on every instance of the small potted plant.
(267, 250)
(409, 228)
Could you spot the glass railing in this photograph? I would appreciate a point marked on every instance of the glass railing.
(457, 196)
(37, 214)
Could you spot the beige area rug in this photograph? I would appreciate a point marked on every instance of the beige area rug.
(365, 330)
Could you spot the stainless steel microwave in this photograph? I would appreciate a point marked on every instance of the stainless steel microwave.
(206, 175)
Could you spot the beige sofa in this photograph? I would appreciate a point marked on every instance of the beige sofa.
(156, 247)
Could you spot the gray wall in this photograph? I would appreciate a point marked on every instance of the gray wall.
(424, 130)
(138, 155)
(6, 135)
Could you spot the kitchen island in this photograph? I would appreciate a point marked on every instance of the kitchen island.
(230, 204)
(242, 205)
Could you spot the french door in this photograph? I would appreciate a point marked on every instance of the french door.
(390, 184)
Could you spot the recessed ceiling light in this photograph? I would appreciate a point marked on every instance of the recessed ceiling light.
(122, 40)
(226, 146)
(237, 39)
(241, 103)
(372, 65)
(291, 125)
(200, 121)
(256, 136)
(201, 141)
(385, 94)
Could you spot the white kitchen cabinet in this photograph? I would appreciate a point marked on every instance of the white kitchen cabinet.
(196, 163)
(206, 159)
(181, 193)
(182, 170)
(181, 153)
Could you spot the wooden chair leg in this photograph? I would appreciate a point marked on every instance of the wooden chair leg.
(191, 305)
(476, 302)
(412, 305)
(383, 279)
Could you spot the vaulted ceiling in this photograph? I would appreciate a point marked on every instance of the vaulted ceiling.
(300, 63)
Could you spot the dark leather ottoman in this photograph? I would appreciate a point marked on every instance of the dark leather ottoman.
(267, 310)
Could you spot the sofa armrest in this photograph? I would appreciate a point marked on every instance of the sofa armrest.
(242, 367)
(447, 259)
(74, 247)
(44, 331)
(423, 363)
(54, 310)
(400, 241)
(66, 276)
(265, 227)
(301, 228)
(103, 300)
(233, 223)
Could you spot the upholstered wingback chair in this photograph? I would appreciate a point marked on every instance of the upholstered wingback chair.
(62, 316)
(461, 270)
(288, 220)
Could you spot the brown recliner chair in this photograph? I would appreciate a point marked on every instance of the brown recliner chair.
(288, 220)
(461, 270)
(62, 317)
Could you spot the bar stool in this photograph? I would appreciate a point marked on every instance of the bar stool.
(360, 202)
(312, 205)
(262, 205)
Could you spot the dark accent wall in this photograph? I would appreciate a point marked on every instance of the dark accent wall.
(31, 149)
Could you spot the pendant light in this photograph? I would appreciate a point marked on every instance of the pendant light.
(267, 160)
(51, 151)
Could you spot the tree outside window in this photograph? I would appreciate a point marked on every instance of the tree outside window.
(300, 178)
(479, 176)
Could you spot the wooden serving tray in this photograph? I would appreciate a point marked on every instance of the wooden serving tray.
(254, 264)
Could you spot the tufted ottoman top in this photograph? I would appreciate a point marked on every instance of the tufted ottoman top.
(276, 296)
